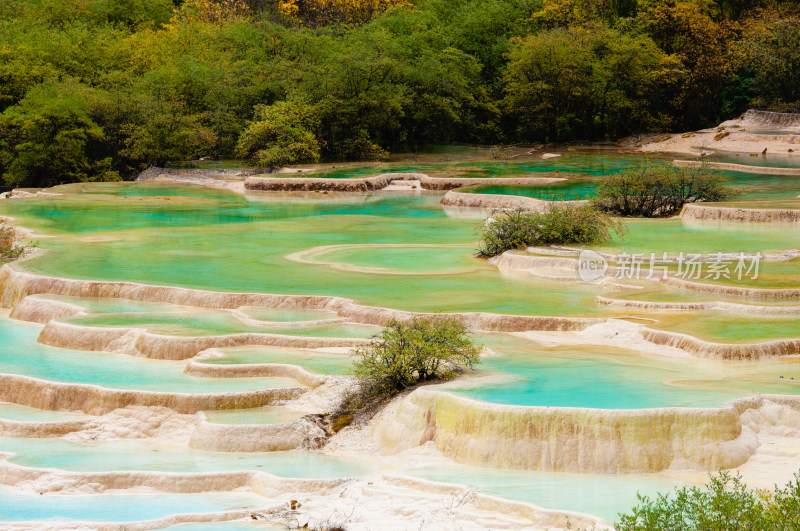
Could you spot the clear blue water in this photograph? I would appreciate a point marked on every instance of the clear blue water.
(530, 379)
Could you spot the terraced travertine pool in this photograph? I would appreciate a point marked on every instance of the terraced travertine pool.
(21, 354)
(752, 187)
(390, 250)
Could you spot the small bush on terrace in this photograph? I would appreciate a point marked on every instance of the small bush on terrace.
(409, 353)
(9, 250)
(559, 225)
(659, 191)
(725, 504)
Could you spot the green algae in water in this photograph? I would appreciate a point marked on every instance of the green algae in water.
(732, 328)
(212, 322)
(409, 259)
(107, 305)
(251, 257)
(568, 191)
(277, 315)
(207, 250)
(676, 235)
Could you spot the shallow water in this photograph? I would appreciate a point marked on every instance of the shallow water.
(259, 415)
(604, 496)
(29, 414)
(204, 322)
(20, 507)
(526, 374)
(732, 328)
(283, 315)
(160, 456)
(312, 360)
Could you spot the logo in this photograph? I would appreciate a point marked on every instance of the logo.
(591, 266)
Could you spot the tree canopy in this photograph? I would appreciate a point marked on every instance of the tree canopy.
(99, 89)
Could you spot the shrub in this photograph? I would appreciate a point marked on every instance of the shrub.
(659, 191)
(409, 353)
(9, 250)
(724, 504)
(560, 224)
(281, 134)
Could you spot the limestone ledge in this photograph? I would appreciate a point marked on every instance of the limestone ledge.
(577, 439)
(776, 294)
(502, 202)
(383, 502)
(16, 284)
(524, 263)
(691, 306)
(739, 215)
(379, 182)
(723, 351)
(743, 168)
(302, 433)
(140, 342)
(96, 400)
(545, 518)
(38, 310)
(197, 367)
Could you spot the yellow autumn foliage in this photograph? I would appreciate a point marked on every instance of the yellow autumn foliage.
(318, 12)
(210, 11)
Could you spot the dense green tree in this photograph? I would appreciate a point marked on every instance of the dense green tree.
(161, 83)
(769, 55)
(51, 136)
(280, 134)
(581, 82)
(685, 30)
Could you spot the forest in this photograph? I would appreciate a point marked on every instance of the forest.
(101, 89)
